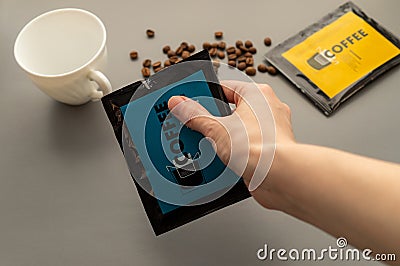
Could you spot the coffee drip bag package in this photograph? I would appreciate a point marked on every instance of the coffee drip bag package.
(337, 56)
(175, 170)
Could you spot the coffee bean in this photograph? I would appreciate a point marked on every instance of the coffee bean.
(251, 71)
(272, 70)
(249, 61)
(179, 50)
(167, 63)
(150, 33)
(218, 34)
(241, 66)
(213, 52)
(267, 41)
(241, 58)
(243, 49)
(173, 59)
(171, 53)
(185, 54)
(221, 45)
(184, 45)
(232, 56)
(156, 64)
(146, 72)
(221, 54)
(230, 50)
(157, 69)
(238, 44)
(146, 63)
(262, 68)
(238, 52)
(206, 45)
(248, 44)
(133, 55)
(232, 63)
(191, 48)
(253, 50)
(166, 48)
(214, 45)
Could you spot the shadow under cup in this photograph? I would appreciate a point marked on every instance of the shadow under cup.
(60, 48)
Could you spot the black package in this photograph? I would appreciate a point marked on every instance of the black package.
(127, 103)
(334, 58)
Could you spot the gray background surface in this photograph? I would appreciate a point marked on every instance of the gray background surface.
(66, 196)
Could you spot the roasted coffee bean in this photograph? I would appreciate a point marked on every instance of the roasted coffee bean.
(185, 54)
(150, 33)
(167, 63)
(230, 50)
(249, 61)
(241, 58)
(248, 44)
(146, 63)
(166, 48)
(146, 72)
(157, 69)
(232, 56)
(241, 66)
(248, 54)
(243, 49)
(184, 45)
(218, 34)
(267, 41)
(156, 64)
(272, 70)
(206, 45)
(133, 55)
(221, 54)
(173, 59)
(232, 63)
(222, 45)
(253, 50)
(191, 48)
(262, 68)
(179, 50)
(213, 52)
(171, 53)
(238, 52)
(251, 71)
(238, 44)
(214, 45)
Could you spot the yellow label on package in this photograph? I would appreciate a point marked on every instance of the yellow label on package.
(341, 53)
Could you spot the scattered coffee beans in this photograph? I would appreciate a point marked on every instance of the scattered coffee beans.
(133, 55)
(267, 41)
(150, 33)
(251, 71)
(146, 63)
(218, 34)
(240, 55)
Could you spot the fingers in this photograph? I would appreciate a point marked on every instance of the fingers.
(194, 115)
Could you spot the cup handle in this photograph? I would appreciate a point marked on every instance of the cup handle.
(102, 81)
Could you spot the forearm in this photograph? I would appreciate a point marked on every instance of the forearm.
(341, 193)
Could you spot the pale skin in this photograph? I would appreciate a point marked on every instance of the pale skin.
(344, 194)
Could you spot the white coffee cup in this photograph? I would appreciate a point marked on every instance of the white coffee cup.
(64, 51)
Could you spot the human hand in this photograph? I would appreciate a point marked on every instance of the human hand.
(249, 133)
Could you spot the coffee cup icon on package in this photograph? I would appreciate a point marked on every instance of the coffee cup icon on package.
(321, 59)
(189, 173)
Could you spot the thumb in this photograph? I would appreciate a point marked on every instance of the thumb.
(194, 115)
